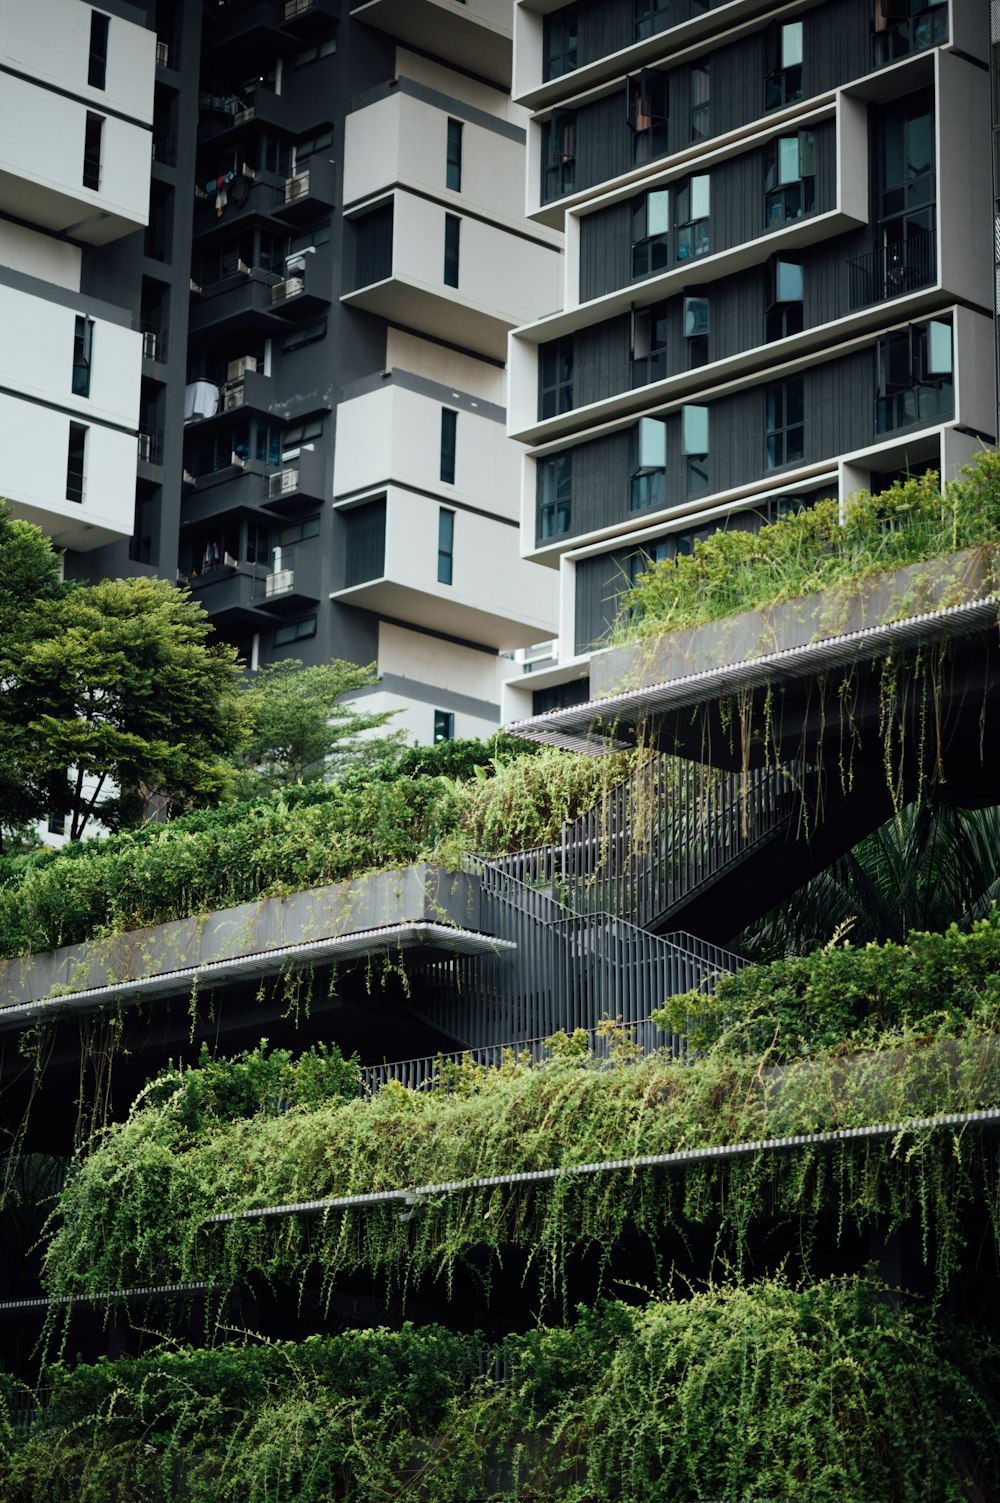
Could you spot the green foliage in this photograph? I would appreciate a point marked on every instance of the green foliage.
(119, 683)
(740, 571)
(829, 1392)
(369, 820)
(843, 997)
(300, 731)
(928, 867)
(136, 1211)
(258, 1081)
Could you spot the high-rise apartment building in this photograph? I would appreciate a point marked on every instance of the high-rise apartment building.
(778, 275)
(282, 243)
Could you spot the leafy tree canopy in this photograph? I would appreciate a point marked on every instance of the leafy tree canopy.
(300, 731)
(120, 684)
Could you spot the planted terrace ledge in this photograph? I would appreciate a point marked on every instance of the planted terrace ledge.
(417, 909)
(812, 649)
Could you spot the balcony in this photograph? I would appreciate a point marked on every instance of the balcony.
(248, 196)
(477, 36)
(238, 302)
(225, 118)
(294, 581)
(223, 493)
(893, 270)
(300, 484)
(309, 18)
(309, 191)
(307, 284)
(928, 28)
(232, 594)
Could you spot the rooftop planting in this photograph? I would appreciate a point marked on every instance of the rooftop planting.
(815, 550)
(834, 1392)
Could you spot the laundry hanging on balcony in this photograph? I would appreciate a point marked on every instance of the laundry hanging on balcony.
(201, 400)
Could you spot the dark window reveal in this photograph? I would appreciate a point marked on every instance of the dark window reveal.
(97, 68)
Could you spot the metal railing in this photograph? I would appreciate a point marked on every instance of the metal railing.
(889, 271)
(928, 28)
(659, 838)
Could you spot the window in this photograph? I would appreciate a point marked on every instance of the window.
(306, 335)
(648, 481)
(309, 145)
(57, 824)
(694, 447)
(559, 154)
(555, 495)
(326, 48)
(75, 462)
(693, 207)
(783, 83)
(97, 69)
(696, 324)
(83, 344)
(559, 43)
(449, 431)
(444, 726)
(295, 631)
(453, 160)
(298, 532)
(92, 135)
(651, 232)
(783, 313)
(789, 183)
(318, 235)
(905, 26)
(647, 113)
(905, 162)
(649, 344)
(651, 16)
(446, 545)
(784, 423)
(555, 377)
(295, 438)
(698, 107)
(915, 375)
(452, 229)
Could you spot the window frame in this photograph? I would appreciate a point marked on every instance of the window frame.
(93, 151)
(555, 388)
(97, 57)
(654, 244)
(453, 156)
(446, 546)
(449, 445)
(83, 354)
(648, 476)
(647, 112)
(783, 79)
(452, 249)
(560, 40)
(558, 155)
(778, 433)
(793, 196)
(693, 213)
(554, 495)
(76, 464)
(783, 315)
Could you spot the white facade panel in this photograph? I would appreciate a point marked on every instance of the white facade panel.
(50, 42)
(34, 448)
(41, 165)
(36, 359)
(395, 434)
(41, 256)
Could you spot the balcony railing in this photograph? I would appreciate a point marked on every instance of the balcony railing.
(928, 28)
(151, 445)
(154, 342)
(165, 147)
(890, 271)
(924, 402)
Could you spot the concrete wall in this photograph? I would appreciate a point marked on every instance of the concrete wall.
(50, 43)
(36, 359)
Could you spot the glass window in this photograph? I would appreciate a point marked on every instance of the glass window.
(295, 631)
(446, 545)
(97, 67)
(647, 483)
(83, 341)
(92, 136)
(783, 83)
(452, 230)
(559, 42)
(915, 378)
(650, 232)
(784, 422)
(651, 16)
(444, 726)
(693, 208)
(790, 184)
(555, 495)
(76, 462)
(555, 377)
(783, 308)
(558, 154)
(647, 113)
(453, 163)
(699, 85)
(649, 344)
(696, 328)
(449, 430)
(306, 335)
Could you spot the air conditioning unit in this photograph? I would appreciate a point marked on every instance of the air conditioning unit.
(244, 268)
(237, 369)
(247, 171)
(232, 396)
(243, 117)
(282, 484)
(289, 288)
(279, 582)
(150, 345)
(237, 462)
(297, 186)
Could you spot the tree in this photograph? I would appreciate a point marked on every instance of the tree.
(29, 583)
(300, 731)
(124, 697)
